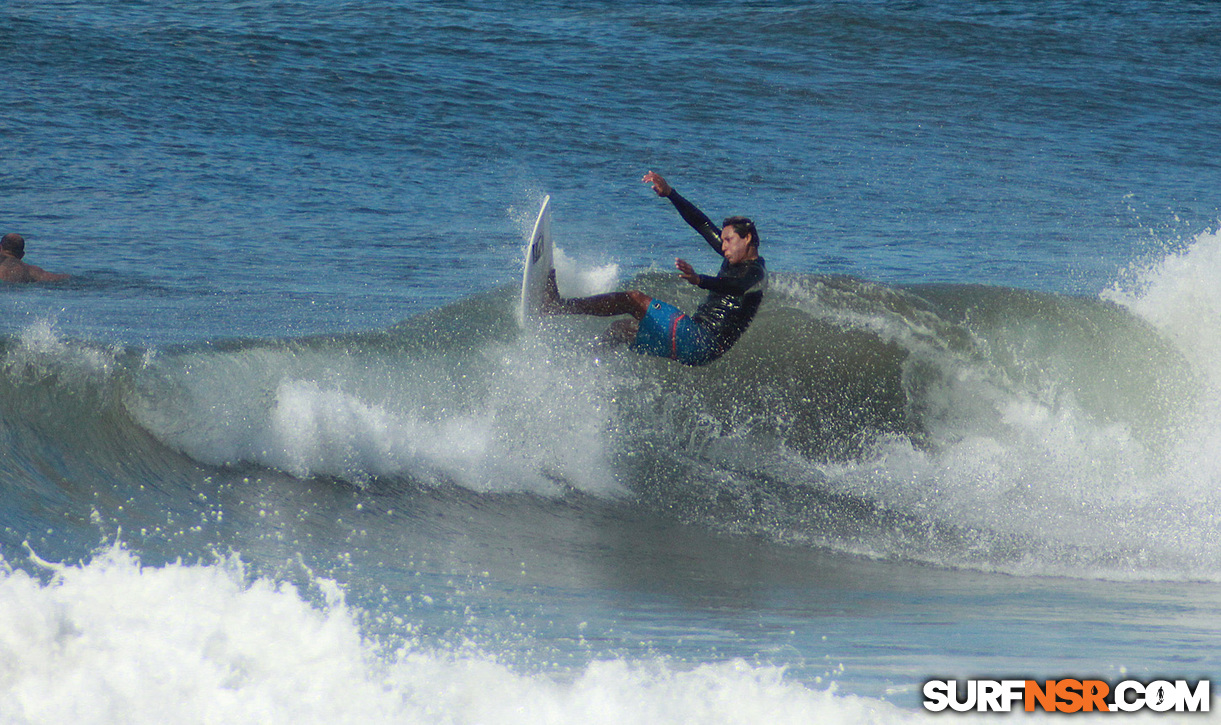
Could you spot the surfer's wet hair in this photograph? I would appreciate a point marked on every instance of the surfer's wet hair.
(743, 226)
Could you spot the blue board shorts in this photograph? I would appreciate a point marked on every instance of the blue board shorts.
(667, 332)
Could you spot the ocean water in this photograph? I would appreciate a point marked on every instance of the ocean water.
(279, 452)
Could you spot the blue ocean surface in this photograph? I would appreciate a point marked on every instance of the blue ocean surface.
(280, 452)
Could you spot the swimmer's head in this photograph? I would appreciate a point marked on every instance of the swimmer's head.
(14, 244)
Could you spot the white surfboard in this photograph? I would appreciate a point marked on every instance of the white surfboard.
(538, 267)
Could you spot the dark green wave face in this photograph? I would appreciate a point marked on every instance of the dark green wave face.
(833, 365)
(956, 424)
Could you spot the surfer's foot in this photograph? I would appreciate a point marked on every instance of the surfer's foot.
(551, 296)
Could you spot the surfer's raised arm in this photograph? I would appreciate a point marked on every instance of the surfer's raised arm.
(698, 220)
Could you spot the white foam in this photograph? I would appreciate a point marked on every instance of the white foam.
(1180, 295)
(1040, 487)
(111, 641)
(579, 280)
(315, 430)
(523, 419)
(42, 350)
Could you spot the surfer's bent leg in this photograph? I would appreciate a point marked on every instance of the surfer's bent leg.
(656, 328)
(632, 303)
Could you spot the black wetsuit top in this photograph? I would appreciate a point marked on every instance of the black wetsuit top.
(735, 293)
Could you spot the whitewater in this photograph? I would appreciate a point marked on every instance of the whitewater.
(279, 450)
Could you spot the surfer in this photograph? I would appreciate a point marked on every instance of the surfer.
(661, 329)
(12, 269)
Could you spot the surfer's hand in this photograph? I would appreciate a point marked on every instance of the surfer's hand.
(686, 271)
(659, 184)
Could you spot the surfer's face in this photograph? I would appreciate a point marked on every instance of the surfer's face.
(735, 248)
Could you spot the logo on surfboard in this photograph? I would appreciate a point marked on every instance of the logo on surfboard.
(536, 249)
